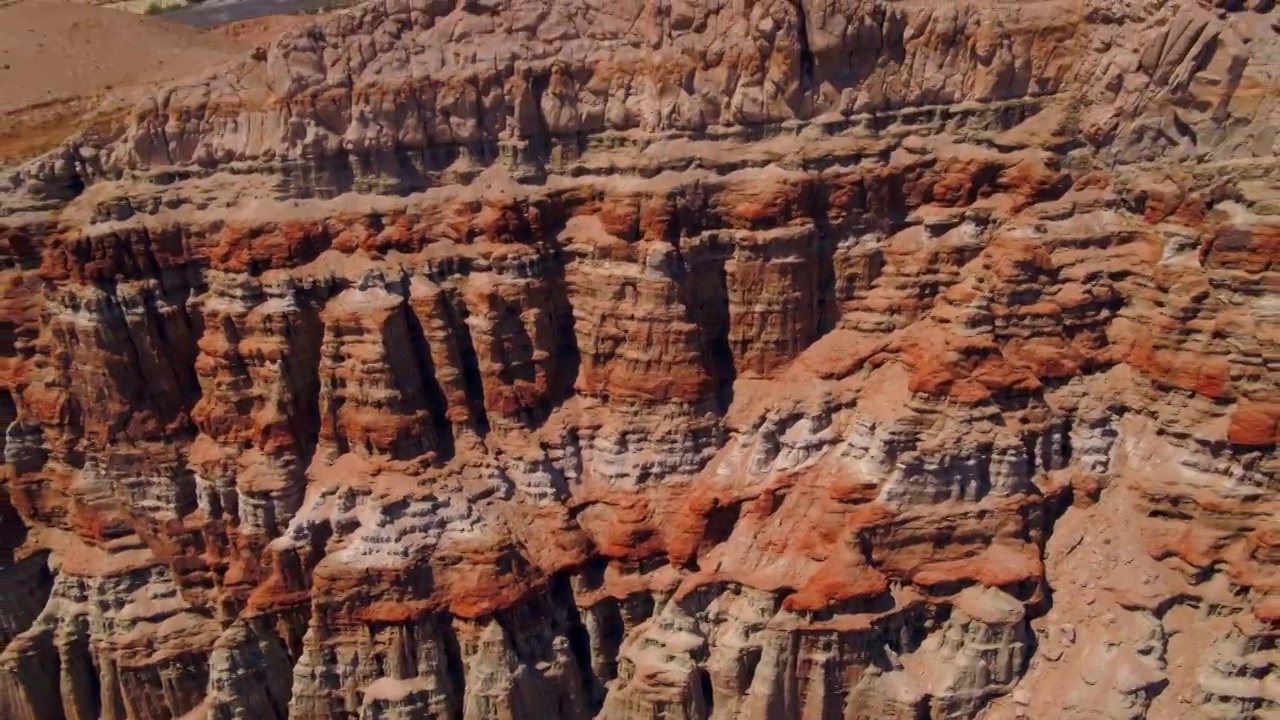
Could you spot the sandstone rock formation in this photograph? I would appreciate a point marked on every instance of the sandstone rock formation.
(787, 359)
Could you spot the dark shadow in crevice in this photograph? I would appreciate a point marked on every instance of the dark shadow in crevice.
(455, 315)
(433, 395)
(704, 286)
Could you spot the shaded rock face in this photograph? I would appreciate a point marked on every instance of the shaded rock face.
(813, 360)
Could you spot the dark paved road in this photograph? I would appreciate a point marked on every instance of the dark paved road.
(218, 12)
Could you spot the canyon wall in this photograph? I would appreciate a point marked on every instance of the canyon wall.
(682, 360)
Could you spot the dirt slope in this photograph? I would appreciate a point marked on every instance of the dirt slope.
(61, 60)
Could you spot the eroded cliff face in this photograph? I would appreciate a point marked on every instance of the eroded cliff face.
(697, 361)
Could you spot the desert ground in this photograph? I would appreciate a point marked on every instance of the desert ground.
(66, 65)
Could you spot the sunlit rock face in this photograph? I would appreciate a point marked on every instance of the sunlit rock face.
(796, 360)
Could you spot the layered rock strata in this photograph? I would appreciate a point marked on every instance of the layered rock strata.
(672, 360)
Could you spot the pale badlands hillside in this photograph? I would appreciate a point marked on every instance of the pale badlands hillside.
(682, 360)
